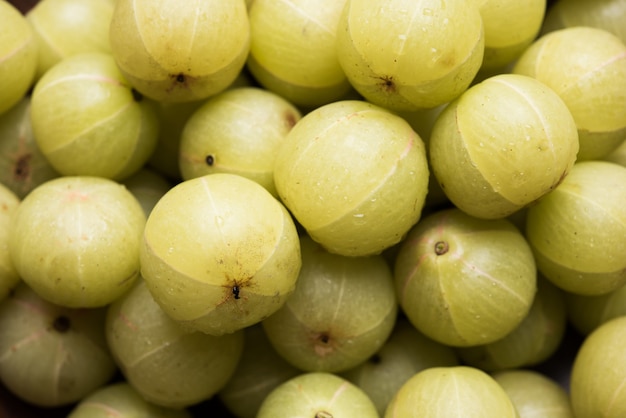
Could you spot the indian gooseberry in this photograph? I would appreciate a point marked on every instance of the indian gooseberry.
(510, 27)
(503, 144)
(532, 342)
(238, 131)
(220, 253)
(465, 281)
(405, 353)
(148, 187)
(22, 165)
(293, 50)
(603, 14)
(534, 394)
(577, 231)
(51, 355)
(442, 392)
(176, 52)
(598, 373)
(88, 121)
(165, 363)
(67, 27)
(410, 55)
(18, 56)
(586, 313)
(341, 313)
(259, 371)
(586, 67)
(9, 277)
(354, 175)
(317, 395)
(75, 240)
(121, 400)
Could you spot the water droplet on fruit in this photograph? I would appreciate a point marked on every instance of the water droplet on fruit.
(358, 215)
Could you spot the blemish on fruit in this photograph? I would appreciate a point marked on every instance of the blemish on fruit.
(387, 84)
(441, 247)
(323, 414)
(180, 78)
(61, 324)
(210, 160)
(290, 119)
(236, 292)
(22, 167)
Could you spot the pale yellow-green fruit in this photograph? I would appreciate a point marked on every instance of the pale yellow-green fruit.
(75, 240)
(238, 131)
(502, 145)
(586, 313)
(165, 363)
(510, 26)
(618, 155)
(148, 187)
(577, 231)
(442, 392)
(534, 395)
(532, 342)
(341, 313)
(410, 55)
(293, 50)
(88, 121)
(603, 14)
(586, 67)
(67, 27)
(22, 165)
(465, 281)
(597, 379)
(180, 51)
(51, 356)
(318, 395)
(406, 352)
(121, 400)
(18, 56)
(259, 371)
(9, 277)
(354, 175)
(220, 253)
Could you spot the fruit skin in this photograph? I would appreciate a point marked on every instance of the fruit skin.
(354, 175)
(319, 395)
(503, 144)
(440, 392)
(87, 120)
(52, 355)
(410, 55)
(18, 56)
(465, 281)
(219, 253)
(586, 67)
(598, 373)
(577, 231)
(202, 57)
(9, 277)
(75, 240)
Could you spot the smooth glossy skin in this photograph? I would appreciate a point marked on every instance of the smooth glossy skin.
(220, 253)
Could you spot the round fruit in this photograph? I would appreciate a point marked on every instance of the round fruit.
(503, 144)
(67, 27)
(441, 392)
(354, 175)
(310, 74)
(51, 355)
(407, 54)
(599, 371)
(465, 281)
(534, 394)
(355, 310)
(180, 51)
(238, 131)
(75, 240)
(586, 313)
(577, 231)
(586, 67)
(220, 253)
(319, 395)
(165, 363)
(148, 187)
(18, 56)
(9, 277)
(88, 121)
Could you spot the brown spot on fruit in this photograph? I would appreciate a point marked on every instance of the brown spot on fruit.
(441, 247)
